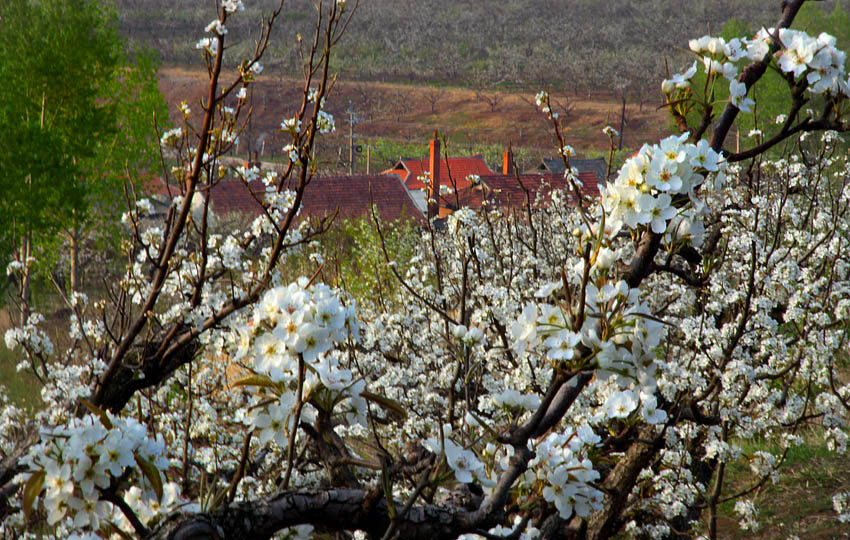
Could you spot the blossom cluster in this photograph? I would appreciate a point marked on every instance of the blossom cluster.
(463, 462)
(325, 122)
(801, 54)
(841, 504)
(300, 322)
(542, 101)
(561, 462)
(643, 192)
(621, 353)
(529, 532)
(491, 314)
(30, 337)
(231, 6)
(75, 464)
(816, 59)
(209, 45)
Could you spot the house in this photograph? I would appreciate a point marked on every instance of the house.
(507, 190)
(349, 196)
(513, 192)
(452, 172)
(598, 166)
(400, 192)
(446, 190)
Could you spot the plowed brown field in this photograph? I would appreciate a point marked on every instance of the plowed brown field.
(405, 113)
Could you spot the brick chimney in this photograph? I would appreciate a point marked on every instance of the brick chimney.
(508, 162)
(434, 167)
(253, 161)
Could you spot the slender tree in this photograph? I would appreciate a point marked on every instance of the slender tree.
(76, 117)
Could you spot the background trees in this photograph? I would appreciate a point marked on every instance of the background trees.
(76, 119)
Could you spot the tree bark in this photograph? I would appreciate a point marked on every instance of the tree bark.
(74, 235)
(619, 482)
(329, 510)
(26, 278)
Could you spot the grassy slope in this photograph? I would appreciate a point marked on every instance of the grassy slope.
(800, 503)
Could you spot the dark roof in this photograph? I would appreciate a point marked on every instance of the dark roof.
(353, 195)
(502, 191)
(460, 167)
(324, 195)
(598, 166)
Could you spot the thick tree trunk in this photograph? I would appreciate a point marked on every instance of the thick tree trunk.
(618, 485)
(333, 509)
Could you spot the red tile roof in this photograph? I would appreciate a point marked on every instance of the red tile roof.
(460, 167)
(351, 195)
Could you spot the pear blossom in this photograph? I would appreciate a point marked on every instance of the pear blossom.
(562, 345)
(232, 6)
(738, 96)
(650, 411)
(494, 315)
(659, 210)
(216, 27)
(463, 462)
(679, 81)
(272, 422)
(512, 398)
(621, 404)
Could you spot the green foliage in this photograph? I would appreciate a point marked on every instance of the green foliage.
(50, 60)
(363, 270)
(386, 152)
(17, 386)
(76, 118)
(353, 258)
(815, 19)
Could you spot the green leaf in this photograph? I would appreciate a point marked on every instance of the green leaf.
(387, 484)
(256, 380)
(385, 402)
(151, 473)
(31, 491)
(104, 418)
(75, 115)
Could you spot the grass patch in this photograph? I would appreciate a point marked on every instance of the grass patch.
(800, 503)
(21, 388)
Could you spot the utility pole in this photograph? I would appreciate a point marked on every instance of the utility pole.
(622, 124)
(350, 112)
(250, 123)
(352, 119)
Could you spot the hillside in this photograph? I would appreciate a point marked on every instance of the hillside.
(467, 68)
(576, 44)
(404, 114)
